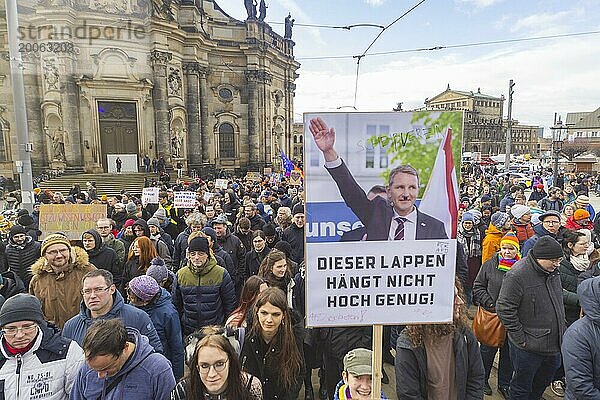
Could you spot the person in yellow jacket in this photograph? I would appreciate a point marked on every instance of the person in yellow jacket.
(499, 225)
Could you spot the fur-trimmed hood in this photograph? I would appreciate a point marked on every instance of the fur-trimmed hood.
(79, 257)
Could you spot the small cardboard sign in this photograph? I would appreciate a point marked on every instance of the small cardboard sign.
(71, 219)
(183, 199)
(150, 195)
(295, 178)
(221, 183)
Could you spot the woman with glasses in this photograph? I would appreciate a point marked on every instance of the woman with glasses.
(272, 349)
(141, 254)
(215, 373)
(31, 347)
(258, 253)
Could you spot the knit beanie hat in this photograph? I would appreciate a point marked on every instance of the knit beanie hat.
(158, 270)
(199, 244)
(154, 222)
(16, 230)
(547, 248)
(21, 307)
(582, 201)
(510, 238)
(54, 238)
(466, 217)
(210, 232)
(160, 214)
(269, 230)
(144, 287)
(103, 197)
(518, 210)
(298, 209)
(499, 219)
(130, 208)
(580, 214)
(486, 197)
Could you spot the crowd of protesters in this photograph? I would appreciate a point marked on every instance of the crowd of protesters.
(161, 302)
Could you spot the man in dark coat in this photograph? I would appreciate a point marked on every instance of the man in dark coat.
(232, 245)
(22, 251)
(530, 306)
(101, 255)
(294, 234)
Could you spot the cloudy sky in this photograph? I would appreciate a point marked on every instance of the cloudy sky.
(552, 75)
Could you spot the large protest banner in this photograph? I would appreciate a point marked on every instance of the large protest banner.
(70, 219)
(405, 274)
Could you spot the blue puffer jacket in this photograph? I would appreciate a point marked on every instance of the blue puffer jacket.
(164, 316)
(580, 351)
(204, 295)
(132, 317)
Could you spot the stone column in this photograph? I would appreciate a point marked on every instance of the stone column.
(192, 103)
(256, 85)
(160, 98)
(31, 81)
(70, 118)
(206, 134)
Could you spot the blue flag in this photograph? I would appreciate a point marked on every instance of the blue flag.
(287, 164)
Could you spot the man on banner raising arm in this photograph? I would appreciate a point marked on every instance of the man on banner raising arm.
(396, 218)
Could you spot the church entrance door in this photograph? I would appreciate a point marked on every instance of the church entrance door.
(118, 129)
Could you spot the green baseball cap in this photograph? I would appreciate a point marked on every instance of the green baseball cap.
(358, 362)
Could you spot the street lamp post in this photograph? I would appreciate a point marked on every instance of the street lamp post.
(557, 142)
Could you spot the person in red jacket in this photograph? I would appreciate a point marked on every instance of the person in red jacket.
(521, 222)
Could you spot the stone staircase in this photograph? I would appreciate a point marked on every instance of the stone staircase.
(108, 184)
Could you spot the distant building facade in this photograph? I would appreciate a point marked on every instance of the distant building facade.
(484, 127)
(584, 125)
(180, 80)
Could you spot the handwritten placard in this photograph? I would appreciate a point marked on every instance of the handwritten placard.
(70, 219)
(184, 199)
(150, 195)
(221, 183)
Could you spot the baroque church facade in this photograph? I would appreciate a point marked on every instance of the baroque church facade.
(178, 79)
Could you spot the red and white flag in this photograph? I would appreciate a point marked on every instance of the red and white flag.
(440, 199)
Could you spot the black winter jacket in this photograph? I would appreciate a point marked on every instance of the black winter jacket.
(530, 306)
(486, 287)
(411, 368)
(104, 257)
(295, 237)
(21, 258)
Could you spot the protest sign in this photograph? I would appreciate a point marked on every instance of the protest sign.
(295, 178)
(183, 199)
(364, 283)
(71, 219)
(253, 176)
(406, 273)
(150, 195)
(221, 183)
(208, 196)
(267, 170)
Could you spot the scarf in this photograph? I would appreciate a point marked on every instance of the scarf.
(580, 263)
(505, 264)
(471, 241)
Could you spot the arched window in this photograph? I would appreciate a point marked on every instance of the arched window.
(226, 141)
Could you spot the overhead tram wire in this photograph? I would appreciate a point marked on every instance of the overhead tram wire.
(454, 46)
(364, 53)
(345, 27)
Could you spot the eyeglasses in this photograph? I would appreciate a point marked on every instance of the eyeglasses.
(98, 290)
(12, 331)
(103, 227)
(219, 366)
(54, 253)
(550, 222)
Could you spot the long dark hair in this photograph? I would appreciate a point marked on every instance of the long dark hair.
(236, 388)
(286, 358)
(250, 292)
(266, 269)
